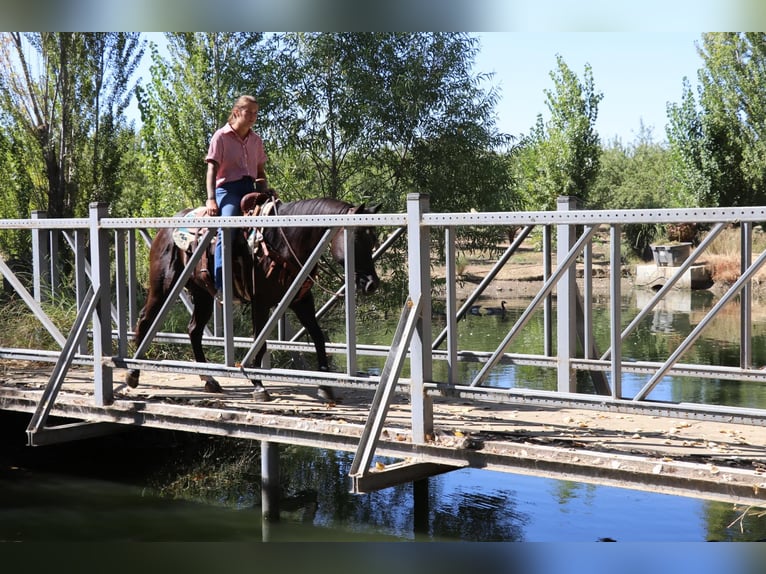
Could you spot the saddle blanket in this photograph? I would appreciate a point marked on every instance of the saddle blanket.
(252, 204)
(186, 237)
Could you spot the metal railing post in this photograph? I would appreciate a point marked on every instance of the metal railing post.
(746, 298)
(451, 304)
(350, 269)
(566, 302)
(121, 290)
(102, 316)
(81, 277)
(548, 303)
(418, 247)
(40, 259)
(615, 314)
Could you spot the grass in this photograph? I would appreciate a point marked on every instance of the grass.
(722, 258)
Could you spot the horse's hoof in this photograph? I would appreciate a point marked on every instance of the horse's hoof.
(261, 396)
(131, 379)
(212, 386)
(327, 395)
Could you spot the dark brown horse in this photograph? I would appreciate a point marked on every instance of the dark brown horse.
(262, 279)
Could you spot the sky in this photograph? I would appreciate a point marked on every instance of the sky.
(638, 73)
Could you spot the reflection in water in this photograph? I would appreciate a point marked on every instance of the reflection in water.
(163, 486)
(655, 338)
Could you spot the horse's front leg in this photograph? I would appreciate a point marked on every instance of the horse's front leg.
(305, 310)
(203, 310)
(259, 315)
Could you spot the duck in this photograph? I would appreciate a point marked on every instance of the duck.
(497, 310)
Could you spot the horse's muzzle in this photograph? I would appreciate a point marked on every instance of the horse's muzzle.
(367, 283)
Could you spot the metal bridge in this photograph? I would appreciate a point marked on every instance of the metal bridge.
(426, 425)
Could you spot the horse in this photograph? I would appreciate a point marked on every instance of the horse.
(261, 275)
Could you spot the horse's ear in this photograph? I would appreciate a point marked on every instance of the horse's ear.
(373, 208)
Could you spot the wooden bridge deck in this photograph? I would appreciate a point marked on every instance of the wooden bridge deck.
(698, 458)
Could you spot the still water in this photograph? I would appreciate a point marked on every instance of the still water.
(164, 486)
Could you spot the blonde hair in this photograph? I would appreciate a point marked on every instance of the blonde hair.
(242, 102)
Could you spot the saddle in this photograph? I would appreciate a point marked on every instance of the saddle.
(187, 237)
(260, 203)
(252, 204)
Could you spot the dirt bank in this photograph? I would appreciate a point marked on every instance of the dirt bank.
(524, 281)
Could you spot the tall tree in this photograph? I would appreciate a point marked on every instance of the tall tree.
(68, 92)
(188, 97)
(376, 115)
(562, 154)
(637, 176)
(720, 139)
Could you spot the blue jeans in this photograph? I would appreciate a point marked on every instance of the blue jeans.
(228, 197)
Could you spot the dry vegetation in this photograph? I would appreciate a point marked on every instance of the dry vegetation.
(522, 274)
(723, 256)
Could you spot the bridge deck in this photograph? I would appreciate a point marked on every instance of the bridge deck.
(697, 458)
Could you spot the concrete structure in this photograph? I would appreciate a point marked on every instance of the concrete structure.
(651, 276)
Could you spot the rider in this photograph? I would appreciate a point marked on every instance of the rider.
(235, 167)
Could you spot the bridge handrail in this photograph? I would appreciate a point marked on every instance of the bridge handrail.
(419, 223)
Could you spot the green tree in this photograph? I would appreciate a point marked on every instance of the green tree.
(640, 175)
(687, 144)
(718, 137)
(561, 156)
(376, 115)
(188, 97)
(65, 96)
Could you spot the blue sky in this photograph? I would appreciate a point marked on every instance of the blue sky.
(637, 72)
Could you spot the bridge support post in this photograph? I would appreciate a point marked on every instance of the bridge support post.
(421, 508)
(418, 244)
(100, 264)
(269, 481)
(746, 298)
(566, 301)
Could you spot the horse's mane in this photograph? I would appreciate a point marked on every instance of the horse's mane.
(315, 206)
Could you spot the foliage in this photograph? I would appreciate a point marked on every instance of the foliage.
(719, 138)
(374, 116)
(561, 157)
(68, 116)
(188, 97)
(637, 176)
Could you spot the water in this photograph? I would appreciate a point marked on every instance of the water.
(163, 486)
(69, 502)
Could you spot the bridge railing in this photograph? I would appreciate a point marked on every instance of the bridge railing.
(105, 252)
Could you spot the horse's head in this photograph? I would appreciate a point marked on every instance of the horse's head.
(365, 242)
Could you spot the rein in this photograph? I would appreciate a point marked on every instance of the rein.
(295, 262)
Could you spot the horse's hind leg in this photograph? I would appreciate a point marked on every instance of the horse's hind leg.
(163, 270)
(203, 309)
(305, 310)
(146, 317)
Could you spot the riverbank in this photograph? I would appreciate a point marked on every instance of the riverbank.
(524, 278)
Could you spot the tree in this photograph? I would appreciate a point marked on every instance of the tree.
(719, 138)
(637, 176)
(69, 114)
(561, 156)
(188, 97)
(376, 115)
